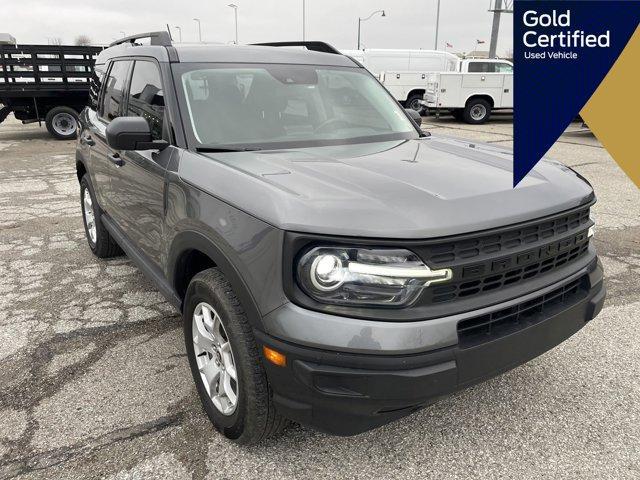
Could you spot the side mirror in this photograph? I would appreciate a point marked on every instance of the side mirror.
(132, 133)
(415, 116)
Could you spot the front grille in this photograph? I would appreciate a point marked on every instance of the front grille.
(510, 239)
(493, 261)
(466, 289)
(475, 331)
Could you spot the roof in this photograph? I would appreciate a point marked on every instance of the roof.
(196, 53)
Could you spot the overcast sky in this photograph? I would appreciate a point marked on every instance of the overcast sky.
(408, 24)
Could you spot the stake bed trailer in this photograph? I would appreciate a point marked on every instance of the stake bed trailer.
(47, 83)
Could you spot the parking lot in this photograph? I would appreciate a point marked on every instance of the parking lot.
(94, 382)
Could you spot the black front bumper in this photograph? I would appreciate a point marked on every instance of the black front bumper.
(346, 394)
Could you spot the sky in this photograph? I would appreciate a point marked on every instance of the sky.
(407, 24)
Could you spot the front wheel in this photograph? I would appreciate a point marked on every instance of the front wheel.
(62, 123)
(225, 363)
(413, 102)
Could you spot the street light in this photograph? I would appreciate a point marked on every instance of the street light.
(199, 30)
(435, 47)
(179, 32)
(235, 10)
(360, 20)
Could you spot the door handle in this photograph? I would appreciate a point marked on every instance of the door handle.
(116, 159)
(87, 141)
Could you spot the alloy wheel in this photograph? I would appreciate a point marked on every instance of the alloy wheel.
(214, 358)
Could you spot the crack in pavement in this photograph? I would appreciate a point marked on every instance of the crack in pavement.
(52, 458)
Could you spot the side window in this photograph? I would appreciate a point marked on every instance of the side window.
(504, 68)
(114, 90)
(146, 98)
(482, 67)
(95, 86)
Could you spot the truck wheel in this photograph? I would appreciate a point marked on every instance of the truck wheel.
(477, 111)
(413, 102)
(62, 123)
(225, 363)
(100, 241)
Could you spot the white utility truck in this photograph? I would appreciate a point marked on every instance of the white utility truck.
(473, 93)
(411, 67)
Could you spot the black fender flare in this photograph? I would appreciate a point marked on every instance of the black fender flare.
(192, 240)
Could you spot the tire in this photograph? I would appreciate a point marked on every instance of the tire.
(413, 102)
(62, 123)
(100, 241)
(477, 111)
(253, 418)
(457, 114)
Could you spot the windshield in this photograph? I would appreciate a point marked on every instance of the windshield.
(280, 106)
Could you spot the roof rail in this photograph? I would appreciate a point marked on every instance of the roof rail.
(315, 46)
(157, 38)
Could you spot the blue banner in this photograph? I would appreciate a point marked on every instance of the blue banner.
(562, 51)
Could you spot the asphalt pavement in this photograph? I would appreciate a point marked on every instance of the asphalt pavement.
(94, 381)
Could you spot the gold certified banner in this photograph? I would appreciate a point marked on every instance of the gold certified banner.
(613, 111)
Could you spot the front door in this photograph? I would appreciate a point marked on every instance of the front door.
(138, 185)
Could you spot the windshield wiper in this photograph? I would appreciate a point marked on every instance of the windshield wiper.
(225, 149)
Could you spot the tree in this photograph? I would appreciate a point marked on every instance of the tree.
(82, 40)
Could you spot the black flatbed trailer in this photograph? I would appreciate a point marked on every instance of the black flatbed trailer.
(49, 83)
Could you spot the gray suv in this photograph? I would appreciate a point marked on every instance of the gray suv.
(334, 265)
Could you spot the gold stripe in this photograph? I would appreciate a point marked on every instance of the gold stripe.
(613, 111)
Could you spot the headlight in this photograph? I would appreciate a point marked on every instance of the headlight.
(365, 276)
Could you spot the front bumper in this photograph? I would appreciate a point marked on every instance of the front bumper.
(346, 393)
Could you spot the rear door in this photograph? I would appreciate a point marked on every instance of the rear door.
(138, 185)
(111, 106)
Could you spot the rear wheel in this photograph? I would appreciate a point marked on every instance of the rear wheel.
(62, 123)
(225, 363)
(100, 241)
(477, 111)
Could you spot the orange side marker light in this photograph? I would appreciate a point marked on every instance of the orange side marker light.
(274, 357)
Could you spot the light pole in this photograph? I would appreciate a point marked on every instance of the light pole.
(199, 29)
(235, 11)
(304, 20)
(360, 20)
(179, 32)
(435, 47)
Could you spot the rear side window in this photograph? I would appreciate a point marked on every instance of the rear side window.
(114, 90)
(95, 86)
(146, 97)
(484, 67)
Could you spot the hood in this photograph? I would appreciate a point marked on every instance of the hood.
(424, 188)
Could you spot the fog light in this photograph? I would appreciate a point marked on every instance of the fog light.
(274, 357)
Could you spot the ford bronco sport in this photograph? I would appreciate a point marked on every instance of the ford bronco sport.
(334, 265)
